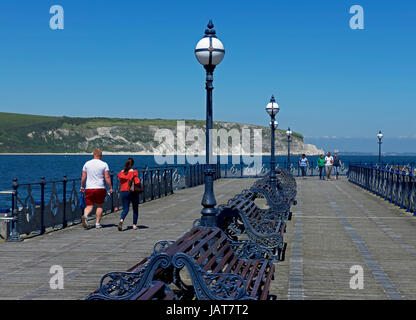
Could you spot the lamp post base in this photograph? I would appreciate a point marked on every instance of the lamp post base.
(209, 212)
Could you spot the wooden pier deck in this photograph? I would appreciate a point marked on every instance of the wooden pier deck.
(335, 226)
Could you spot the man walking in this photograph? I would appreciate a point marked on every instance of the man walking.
(328, 165)
(94, 173)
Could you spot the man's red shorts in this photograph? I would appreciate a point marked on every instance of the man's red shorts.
(95, 196)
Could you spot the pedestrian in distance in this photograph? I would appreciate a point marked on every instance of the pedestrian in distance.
(128, 179)
(95, 173)
(329, 161)
(304, 164)
(321, 166)
(337, 165)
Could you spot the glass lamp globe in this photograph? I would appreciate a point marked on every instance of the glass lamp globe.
(272, 107)
(275, 123)
(209, 51)
(288, 132)
(380, 135)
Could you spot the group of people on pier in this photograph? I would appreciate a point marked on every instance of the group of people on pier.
(95, 174)
(325, 165)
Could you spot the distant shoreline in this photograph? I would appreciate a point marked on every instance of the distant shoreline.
(134, 154)
(152, 154)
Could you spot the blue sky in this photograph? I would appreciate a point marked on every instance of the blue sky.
(136, 59)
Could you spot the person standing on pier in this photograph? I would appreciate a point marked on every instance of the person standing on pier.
(329, 160)
(303, 163)
(127, 177)
(321, 166)
(337, 165)
(94, 173)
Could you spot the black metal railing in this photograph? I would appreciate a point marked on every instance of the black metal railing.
(41, 205)
(241, 170)
(393, 184)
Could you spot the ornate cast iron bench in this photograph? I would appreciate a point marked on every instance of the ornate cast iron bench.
(280, 199)
(219, 269)
(242, 216)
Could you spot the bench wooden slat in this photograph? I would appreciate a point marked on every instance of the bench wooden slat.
(259, 279)
(224, 260)
(205, 255)
(251, 274)
(231, 265)
(187, 242)
(202, 243)
(266, 286)
(208, 265)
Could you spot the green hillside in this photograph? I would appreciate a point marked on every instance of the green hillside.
(23, 133)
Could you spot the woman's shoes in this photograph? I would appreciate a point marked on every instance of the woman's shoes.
(120, 226)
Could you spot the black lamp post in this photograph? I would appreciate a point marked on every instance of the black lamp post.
(209, 52)
(289, 140)
(379, 136)
(272, 109)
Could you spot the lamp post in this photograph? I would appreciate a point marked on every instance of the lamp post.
(209, 52)
(379, 136)
(289, 135)
(272, 108)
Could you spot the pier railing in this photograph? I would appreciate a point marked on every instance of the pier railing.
(43, 205)
(390, 183)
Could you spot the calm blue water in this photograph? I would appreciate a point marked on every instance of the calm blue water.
(30, 168)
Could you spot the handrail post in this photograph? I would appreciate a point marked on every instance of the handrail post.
(166, 181)
(151, 184)
(14, 235)
(112, 185)
(191, 180)
(64, 222)
(158, 182)
(396, 198)
(410, 191)
(404, 189)
(185, 176)
(42, 205)
(391, 185)
(144, 184)
(171, 181)
(241, 169)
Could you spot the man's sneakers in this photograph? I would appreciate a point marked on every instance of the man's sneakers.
(84, 222)
(120, 226)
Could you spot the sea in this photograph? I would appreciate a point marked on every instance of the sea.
(30, 168)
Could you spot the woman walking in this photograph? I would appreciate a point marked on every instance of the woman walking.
(304, 164)
(329, 160)
(125, 176)
(321, 166)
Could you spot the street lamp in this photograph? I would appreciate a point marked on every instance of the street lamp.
(289, 135)
(272, 108)
(209, 52)
(379, 136)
